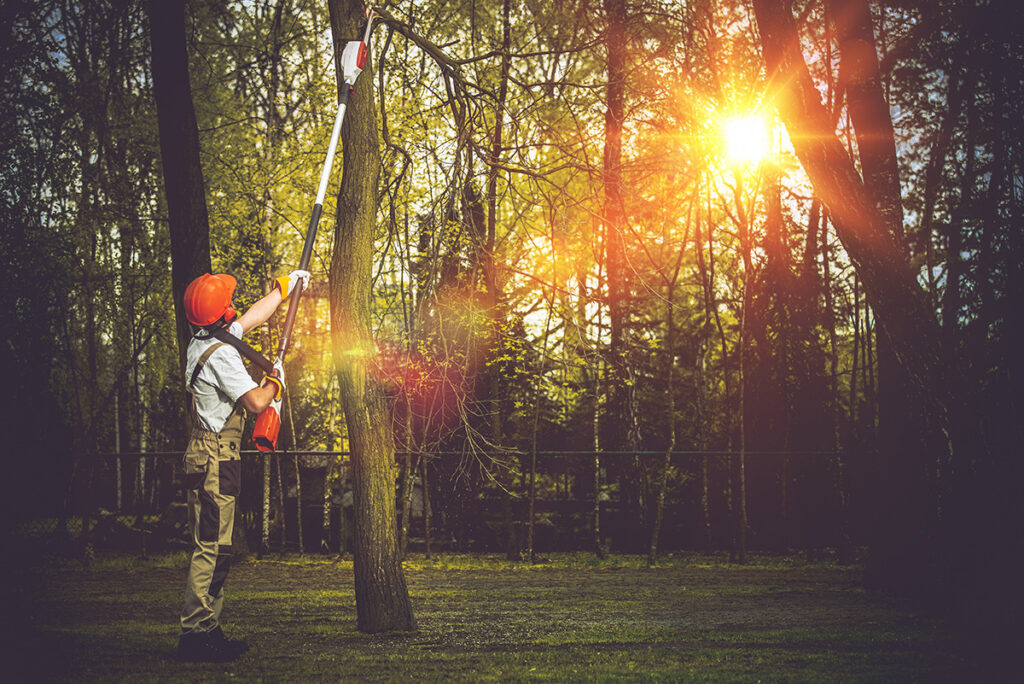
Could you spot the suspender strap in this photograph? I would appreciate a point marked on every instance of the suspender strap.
(244, 349)
(202, 362)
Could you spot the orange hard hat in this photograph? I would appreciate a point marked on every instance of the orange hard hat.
(208, 298)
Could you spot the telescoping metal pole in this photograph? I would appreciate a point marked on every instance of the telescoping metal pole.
(353, 58)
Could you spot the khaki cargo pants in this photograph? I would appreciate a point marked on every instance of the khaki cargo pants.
(213, 478)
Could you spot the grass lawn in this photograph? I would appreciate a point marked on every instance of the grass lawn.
(691, 618)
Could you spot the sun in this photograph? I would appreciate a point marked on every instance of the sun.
(745, 139)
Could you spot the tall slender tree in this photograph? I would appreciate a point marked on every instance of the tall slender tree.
(382, 599)
(620, 405)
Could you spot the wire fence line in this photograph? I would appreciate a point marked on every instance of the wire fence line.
(430, 454)
(301, 499)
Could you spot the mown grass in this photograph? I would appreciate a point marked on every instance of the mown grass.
(481, 618)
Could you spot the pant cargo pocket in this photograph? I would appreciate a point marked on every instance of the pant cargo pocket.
(202, 446)
(231, 477)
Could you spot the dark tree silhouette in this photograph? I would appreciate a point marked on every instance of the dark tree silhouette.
(867, 219)
(188, 221)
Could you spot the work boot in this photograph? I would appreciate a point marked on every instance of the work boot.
(209, 647)
(217, 636)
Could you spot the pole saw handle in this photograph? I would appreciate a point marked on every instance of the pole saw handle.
(277, 380)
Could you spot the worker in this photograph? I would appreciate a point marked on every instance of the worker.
(222, 391)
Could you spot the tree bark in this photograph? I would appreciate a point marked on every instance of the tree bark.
(179, 150)
(382, 599)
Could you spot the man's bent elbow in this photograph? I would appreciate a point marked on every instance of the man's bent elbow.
(258, 399)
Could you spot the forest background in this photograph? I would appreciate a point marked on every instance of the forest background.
(571, 255)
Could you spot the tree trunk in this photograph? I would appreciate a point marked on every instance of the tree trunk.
(538, 396)
(870, 229)
(595, 514)
(740, 459)
(704, 411)
(670, 341)
(620, 432)
(279, 513)
(781, 353)
(869, 239)
(904, 525)
(140, 480)
(614, 218)
(382, 599)
(408, 474)
(593, 385)
(488, 267)
(265, 508)
(599, 546)
(179, 149)
(325, 510)
(325, 524)
(118, 494)
(852, 440)
(404, 486)
(933, 177)
(726, 382)
(426, 508)
(298, 499)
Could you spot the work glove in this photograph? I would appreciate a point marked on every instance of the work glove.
(287, 283)
(277, 377)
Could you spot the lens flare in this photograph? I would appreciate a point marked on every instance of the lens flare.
(746, 139)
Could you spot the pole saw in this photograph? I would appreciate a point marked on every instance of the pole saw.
(353, 58)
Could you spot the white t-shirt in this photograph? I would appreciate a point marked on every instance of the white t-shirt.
(224, 370)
